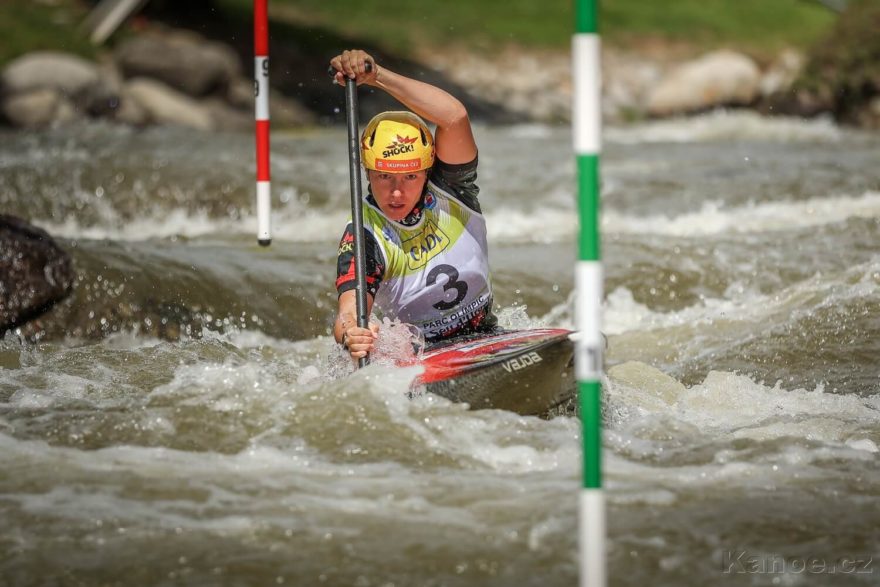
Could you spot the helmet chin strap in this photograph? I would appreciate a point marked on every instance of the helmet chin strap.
(409, 219)
(420, 205)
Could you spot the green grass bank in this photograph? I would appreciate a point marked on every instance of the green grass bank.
(759, 27)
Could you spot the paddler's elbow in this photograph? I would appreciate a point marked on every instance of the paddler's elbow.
(456, 116)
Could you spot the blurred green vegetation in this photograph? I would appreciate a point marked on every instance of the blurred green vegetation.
(843, 74)
(760, 27)
(32, 25)
(757, 26)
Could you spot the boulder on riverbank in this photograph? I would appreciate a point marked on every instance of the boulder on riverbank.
(167, 77)
(634, 86)
(177, 77)
(44, 87)
(35, 273)
(182, 60)
(165, 105)
(721, 78)
(38, 108)
(68, 74)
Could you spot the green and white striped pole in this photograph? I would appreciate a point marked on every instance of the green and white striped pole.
(586, 119)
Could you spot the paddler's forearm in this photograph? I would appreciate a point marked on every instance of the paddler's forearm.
(429, 102)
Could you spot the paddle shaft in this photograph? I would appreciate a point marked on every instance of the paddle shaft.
(357, 216)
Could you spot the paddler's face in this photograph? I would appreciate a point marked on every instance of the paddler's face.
(397, 193)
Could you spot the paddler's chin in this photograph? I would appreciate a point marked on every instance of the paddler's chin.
(397, 193)
(396, 213)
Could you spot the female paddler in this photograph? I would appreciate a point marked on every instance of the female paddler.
(427, 260)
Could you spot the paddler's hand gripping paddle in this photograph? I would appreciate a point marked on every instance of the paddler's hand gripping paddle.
(357, 217)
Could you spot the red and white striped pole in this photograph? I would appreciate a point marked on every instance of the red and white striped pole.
(261, 92)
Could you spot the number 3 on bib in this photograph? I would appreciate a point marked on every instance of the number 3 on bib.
(452, 283)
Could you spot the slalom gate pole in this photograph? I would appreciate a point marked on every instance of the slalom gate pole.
(261, 112)
(586, 122)
(357, 213)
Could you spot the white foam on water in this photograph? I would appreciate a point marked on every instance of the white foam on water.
(532, 131)
(517, 318)
(231, 385)
(543, 225)
(254, 339)
(302, 487)
(713, 218)
(155, 225)
(129, 341)
(554, 453)
(622, 313)
(39, 389)
(548, 224)
(288, 224)
(864, 444)
(562, 314)
(793, 435)
(727, 125)
(728, 403)
(223, 482)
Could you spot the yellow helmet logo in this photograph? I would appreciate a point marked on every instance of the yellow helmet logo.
(397, 142)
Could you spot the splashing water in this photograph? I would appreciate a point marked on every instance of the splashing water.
(187, 417)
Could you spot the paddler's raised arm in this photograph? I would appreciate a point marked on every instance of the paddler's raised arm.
(454, 139)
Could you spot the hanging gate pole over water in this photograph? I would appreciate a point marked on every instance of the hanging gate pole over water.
(586, 122)
(261, 112)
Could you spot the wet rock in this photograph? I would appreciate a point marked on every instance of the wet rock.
(35, 273)
(531, 85)
(627, 80)
(240, 93)
(130, 110)
(226, 118)
(286, 112)
(869, 117)
(183, 60)
(283, 111)
(720, 78)
(100, 99)
(104, 97)
(62, 72)
(167, 106)
(47, 88)
(38, 108)
(782, 73)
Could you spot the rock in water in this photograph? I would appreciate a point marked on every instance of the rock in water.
(35, 273)
(182, 60)
(721, 78)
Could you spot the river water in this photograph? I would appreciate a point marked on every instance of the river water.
(182, 420)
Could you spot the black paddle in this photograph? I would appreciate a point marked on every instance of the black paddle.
(357, 217)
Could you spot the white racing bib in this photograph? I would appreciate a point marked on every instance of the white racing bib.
(437, 271)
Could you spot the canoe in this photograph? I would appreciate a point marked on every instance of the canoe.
(529, 372)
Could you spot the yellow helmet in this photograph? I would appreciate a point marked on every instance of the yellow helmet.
(397, 142)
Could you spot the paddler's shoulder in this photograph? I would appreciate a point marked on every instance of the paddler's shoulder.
(458, 180)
